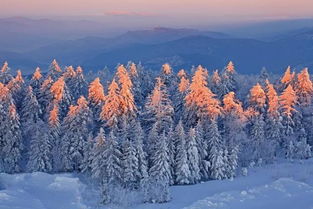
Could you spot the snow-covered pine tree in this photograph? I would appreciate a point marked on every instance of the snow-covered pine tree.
(54, 126)
(16, 87)
(96, 100)
(182, 172)
(111, 109)
(193, 159)
(273, 125)
(12, 142)
(215, 152)
(180, 94)
(304, 91)
(45, 98)
(287, 78)
(169, 79)
(136, 135)
(257, 98)
(36, 81)
(130, 165)
(200, 101)
(55, 72)
(5, 76)
(256, 147)
(158, 109)
(109, 171)
(159, 173)
(79, 85)
(61, 96)
(128, 107)
(288, 101)
(202, 146)
(40, 155)
(228, 79)
(89, 154)
(75, 134)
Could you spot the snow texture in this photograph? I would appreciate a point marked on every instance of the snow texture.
(285, 185)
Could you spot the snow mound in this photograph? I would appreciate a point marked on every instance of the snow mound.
(281, 194)
(40, 191)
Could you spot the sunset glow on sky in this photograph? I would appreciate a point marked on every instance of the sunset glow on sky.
(180, 10)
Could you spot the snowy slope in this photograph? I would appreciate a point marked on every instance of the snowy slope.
(285, 185)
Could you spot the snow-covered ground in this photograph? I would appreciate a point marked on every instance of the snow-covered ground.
(286, 185)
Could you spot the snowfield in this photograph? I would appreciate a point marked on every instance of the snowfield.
(284, 185)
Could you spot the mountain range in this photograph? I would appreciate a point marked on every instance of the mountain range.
(182, 48)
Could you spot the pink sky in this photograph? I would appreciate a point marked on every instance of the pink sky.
(183, 10)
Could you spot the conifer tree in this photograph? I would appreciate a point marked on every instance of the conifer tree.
(54, 129)
(228, 80)
(273, 125)
(40, 155)
(111, 110)
(158, 109)
(76, 130)
(193, 159)
(130, 165)
(182, 172)
(215, 157)
(179, 96)
(127, 105)
(61, 96)
(202, 146)
(108, 171)
(200, 101)
(12, 142)
(36, 81)
(287, 78)
(45, 97)
(257, 98)
(159, 172)
(5, 76)
(55, 72)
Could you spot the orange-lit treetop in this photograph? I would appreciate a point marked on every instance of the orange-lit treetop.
(126, 96)
(69, 72)
(4, 92)
(19, 77)
(231, 104)
(257, 97)
(37, 74)
(287, 77)
(182, 73)
(272, 100)
(304, 88)
(200, 96)
(56, 66)
(54, 115)
(166, 69)
(288, 100)
(230, 67)
(111, 108)
(96, 92)
(57, 89)
(184, 84)
(5, 67)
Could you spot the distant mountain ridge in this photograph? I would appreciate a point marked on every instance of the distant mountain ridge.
(181, 47)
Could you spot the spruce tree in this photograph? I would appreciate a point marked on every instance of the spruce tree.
(182, 172)
(159, 172)
(193, 159)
